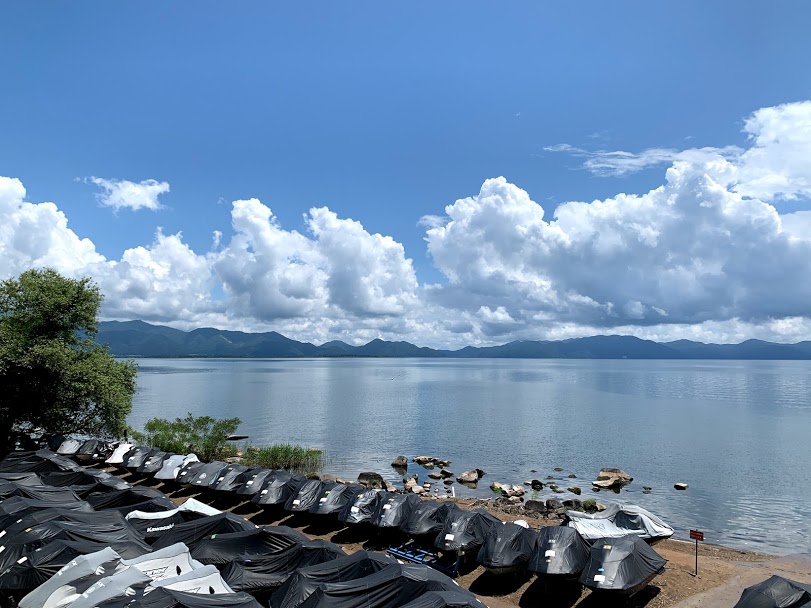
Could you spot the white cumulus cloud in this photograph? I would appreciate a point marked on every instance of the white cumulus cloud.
(337, 270)
(37, 235)
(703, 256)
(777, 164)
(687, 252)
(124, 194)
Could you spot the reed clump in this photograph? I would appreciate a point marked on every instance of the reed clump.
(286, 456)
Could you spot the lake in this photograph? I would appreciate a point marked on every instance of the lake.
(738, 432)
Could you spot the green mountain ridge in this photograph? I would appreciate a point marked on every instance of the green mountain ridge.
(140, 339)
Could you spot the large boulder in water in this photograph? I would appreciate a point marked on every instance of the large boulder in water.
(400, 462)
(612, 478)
(468, 477)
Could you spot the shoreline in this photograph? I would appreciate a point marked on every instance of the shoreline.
(723, 571)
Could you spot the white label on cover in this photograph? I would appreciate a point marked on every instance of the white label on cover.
(549, 553)
(221, 478)
(297, 502)
(22, 560)
(250, 483)
(3, 548)
(355, 509)
(386, 507)
(599, 578)
(449, 537)
(2, 534)
(323, 499)
(264, 491)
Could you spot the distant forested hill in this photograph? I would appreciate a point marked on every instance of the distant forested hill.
(139, 339)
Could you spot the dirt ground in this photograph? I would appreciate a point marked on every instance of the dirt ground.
(723, 572)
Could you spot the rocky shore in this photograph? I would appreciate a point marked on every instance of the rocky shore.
(724, 572)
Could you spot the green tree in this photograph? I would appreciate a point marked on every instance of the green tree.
(53, 376)
(205, 436)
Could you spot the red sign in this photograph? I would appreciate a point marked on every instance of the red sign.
(696, 535)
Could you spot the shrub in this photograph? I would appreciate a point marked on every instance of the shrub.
(203, 435)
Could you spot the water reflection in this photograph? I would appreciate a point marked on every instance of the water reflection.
(735, 431)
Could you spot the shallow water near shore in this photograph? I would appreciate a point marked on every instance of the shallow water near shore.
(739, 432)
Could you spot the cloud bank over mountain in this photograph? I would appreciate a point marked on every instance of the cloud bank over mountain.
(705, 256)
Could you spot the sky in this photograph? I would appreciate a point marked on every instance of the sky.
(443, 173)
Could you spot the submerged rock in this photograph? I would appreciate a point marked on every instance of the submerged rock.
(400, 462)
(574, 490)
(681, 486)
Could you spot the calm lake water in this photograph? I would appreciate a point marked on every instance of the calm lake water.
(739, 432)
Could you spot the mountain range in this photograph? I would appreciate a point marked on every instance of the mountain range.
(140, 339)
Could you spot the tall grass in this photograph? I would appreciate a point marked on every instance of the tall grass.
(284, 456)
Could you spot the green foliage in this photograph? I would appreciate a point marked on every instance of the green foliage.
(202, 435)
(284, 456)
(54, 376)
(207, 437)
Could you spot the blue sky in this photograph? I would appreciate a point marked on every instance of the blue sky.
(384, 114)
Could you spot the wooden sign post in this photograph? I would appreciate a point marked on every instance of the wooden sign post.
(697, 535)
